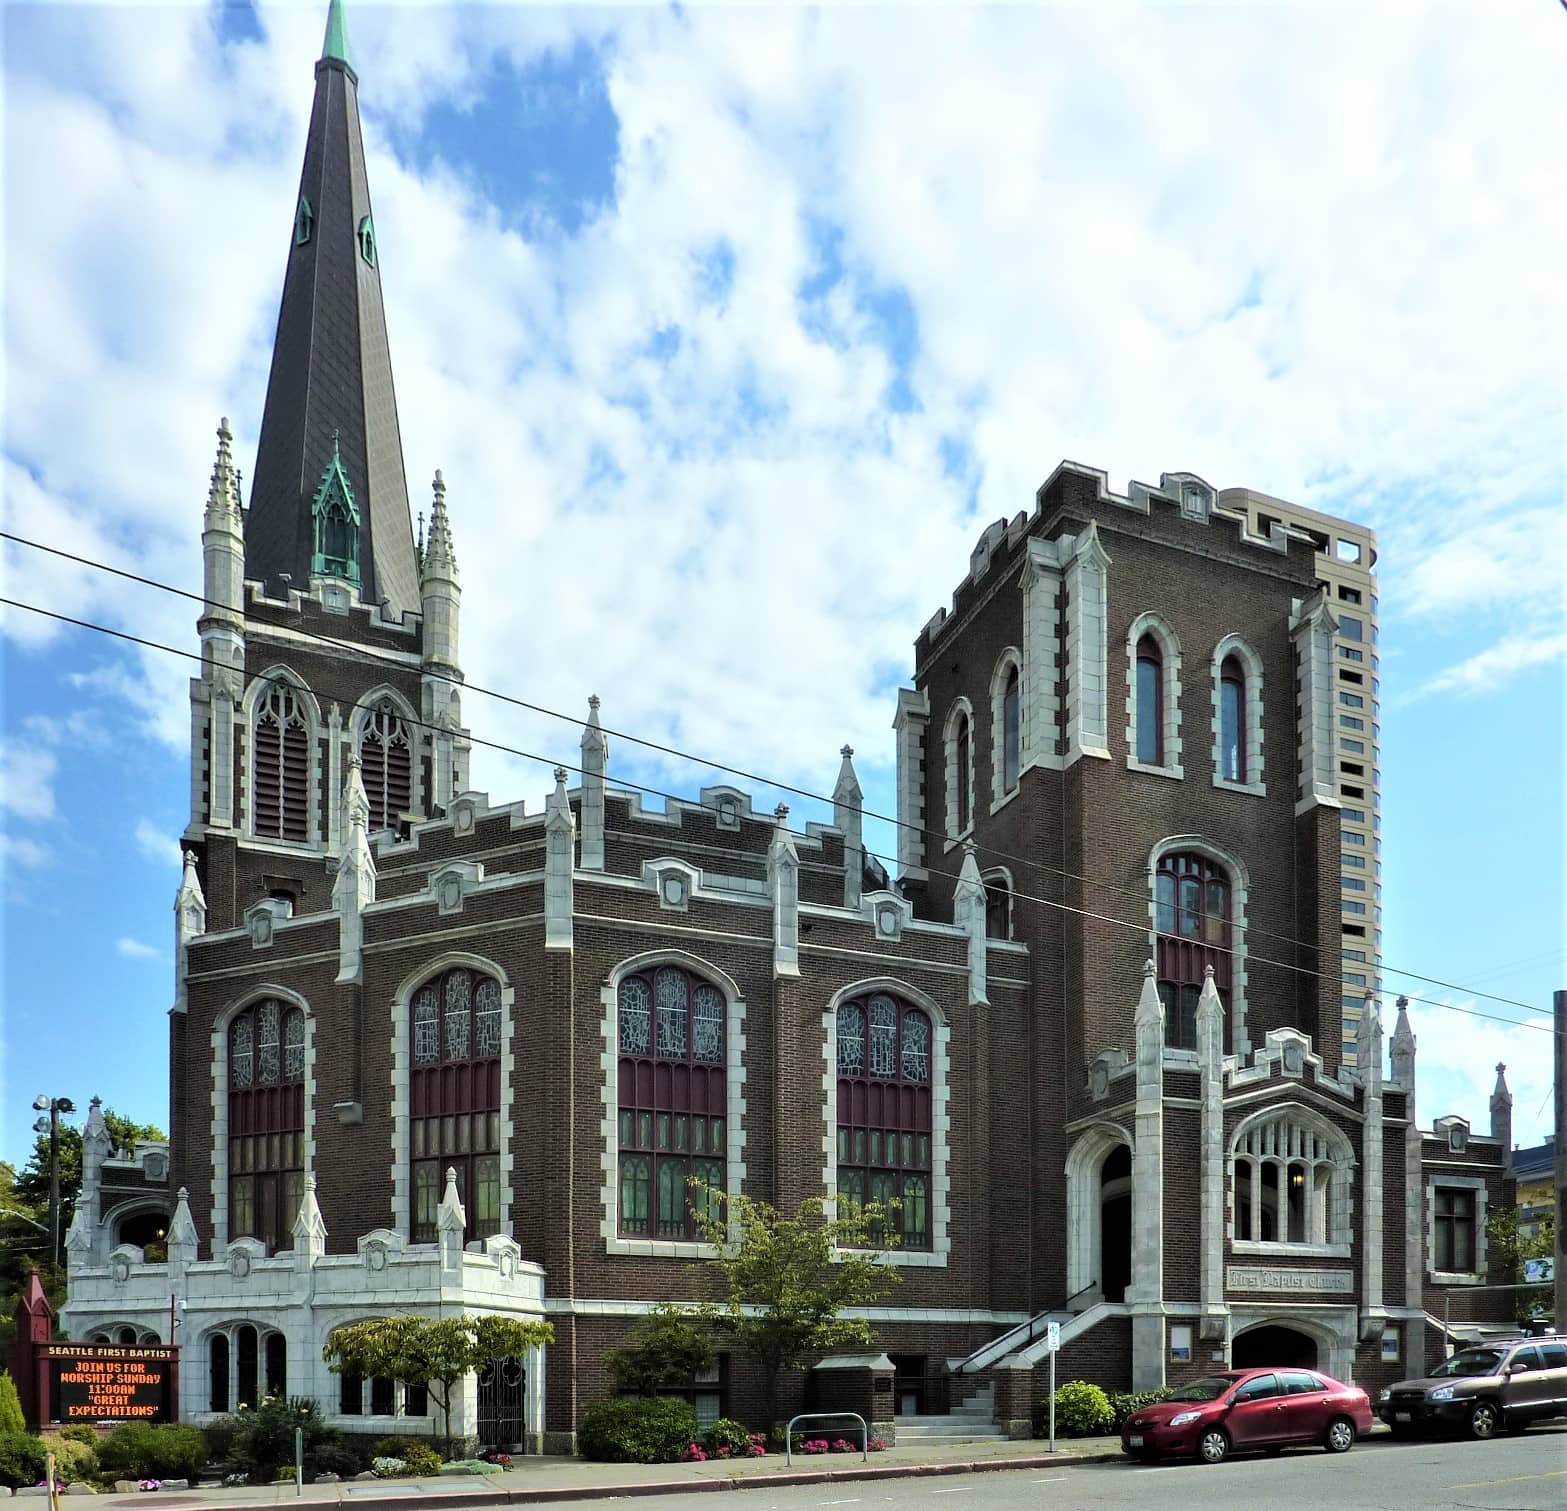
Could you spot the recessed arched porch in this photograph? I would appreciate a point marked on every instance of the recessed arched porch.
(1099, 1214)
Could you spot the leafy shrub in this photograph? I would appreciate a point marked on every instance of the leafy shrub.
(331, 1458)
(220, 1433)
(73, 1459)
(79, 1432)
(11, 1418)
(418, 1457)
(139, 1450)
(21, 1459)
(264, 1438)
(727, 1439)
(1081, 1410)
(637, 1430)
(385, 1467)
(1124, 1403)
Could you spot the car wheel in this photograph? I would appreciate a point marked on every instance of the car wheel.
(1484, 1419)
(1340, 1437)
(1213, 1447)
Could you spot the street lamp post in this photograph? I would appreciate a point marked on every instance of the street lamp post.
(54, 1106)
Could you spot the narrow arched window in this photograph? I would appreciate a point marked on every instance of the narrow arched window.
(246, 1342)
(1192, 912)
(280, 804)
(998, 908)
(885, 1057)
(1011, 729)
(266, 1118)
(961, 772)
(1232, 720)
(455, 1100)
(386, 765)
(1150, 702)
(277, 1365)
(672, 1103)
(218, 1372)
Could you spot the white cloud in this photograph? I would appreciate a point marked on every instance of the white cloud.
(134, 949)
(156, 845)
(1455, 1067)
(17, 850)
(27, 775)
(1490, 670)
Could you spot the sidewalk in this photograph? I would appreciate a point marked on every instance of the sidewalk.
(534, 1480)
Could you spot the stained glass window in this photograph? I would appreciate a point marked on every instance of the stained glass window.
(884, 1113)
(672, 1102)
(455, 1101)
(1192, 917)
(266, 1120)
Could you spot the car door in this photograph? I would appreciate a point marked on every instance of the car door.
(1256, 1415)
(1525, 1383)
(1306, 1406)
(1555, 1358)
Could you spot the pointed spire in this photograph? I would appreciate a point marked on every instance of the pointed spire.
(1404, 1053)
(354, 888)
(183, 1240)
(335, 43)
(309, 1228)
(847, 791)
(223, 491)
(783, 888)
(1501, 1093)
(439, 554)
(560, 844)
(968, 912)
(1368, 1045)
(593, 737)
(847, 815)
(450, 1220)
(1150, 1009)
(1502, 1112)
(595, 757)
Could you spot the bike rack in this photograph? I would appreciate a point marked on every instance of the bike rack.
(826, 1416)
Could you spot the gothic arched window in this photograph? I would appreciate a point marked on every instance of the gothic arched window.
(1011, 729)
(885, 1058)
(455, 1099)
(1150, 702)
(1232, 720)
(1192, 916)
(266, 1118)
(280, 803)
(672, 1102)
(386, 765)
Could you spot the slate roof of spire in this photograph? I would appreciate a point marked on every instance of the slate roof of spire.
(331, 364)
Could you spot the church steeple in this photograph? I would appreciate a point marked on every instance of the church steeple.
(330, 403)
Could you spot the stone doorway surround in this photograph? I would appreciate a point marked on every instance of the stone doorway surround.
(1331, 1328)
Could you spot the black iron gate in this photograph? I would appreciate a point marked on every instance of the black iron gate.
(501, 1386)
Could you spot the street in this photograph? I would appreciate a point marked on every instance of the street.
(1528, 1473)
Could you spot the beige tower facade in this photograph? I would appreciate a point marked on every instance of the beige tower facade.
(1346, 565)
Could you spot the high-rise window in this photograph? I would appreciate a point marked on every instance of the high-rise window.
(280, 801)
(455, 1100)
(672, 1103)
(266, 1122)
(885, 1074)
(1192, 908)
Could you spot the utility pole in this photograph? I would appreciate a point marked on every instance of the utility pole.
(1559, 1060)
(54, 1106)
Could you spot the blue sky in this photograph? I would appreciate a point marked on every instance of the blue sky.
(731, 329)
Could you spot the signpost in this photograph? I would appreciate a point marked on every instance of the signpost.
(1052, 1343)
(107, 1382)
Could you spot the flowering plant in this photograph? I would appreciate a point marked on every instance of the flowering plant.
(756, 1444)
(387, 1468)
(842, 1445)
(149, 1484)
(503, 1459)
(814, 1445)
(877, 1445)
(696, 1454)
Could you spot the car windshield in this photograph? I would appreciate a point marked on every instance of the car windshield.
(1473, 1361)
(1209, 1388)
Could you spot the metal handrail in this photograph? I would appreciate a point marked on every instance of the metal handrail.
(826, 1416)
(1030, 1327)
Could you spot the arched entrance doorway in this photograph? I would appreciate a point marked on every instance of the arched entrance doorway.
(1115, 1223)
(1273, 1344)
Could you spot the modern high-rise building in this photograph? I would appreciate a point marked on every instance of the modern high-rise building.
(1346, 567)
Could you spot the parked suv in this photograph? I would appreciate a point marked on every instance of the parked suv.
(1484, 1389)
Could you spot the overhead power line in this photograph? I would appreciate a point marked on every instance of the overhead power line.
(352, 701)
(368, 654)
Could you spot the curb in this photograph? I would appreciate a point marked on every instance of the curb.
(640, 1488)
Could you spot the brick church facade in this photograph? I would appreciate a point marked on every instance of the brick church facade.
(430, 1051)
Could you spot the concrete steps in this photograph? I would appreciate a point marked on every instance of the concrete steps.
(971, 1421)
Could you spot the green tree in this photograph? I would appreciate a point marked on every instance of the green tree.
(665, 1349)
(787, 1281)
(11, 1419)
(1506, 1243)
(435, 1352)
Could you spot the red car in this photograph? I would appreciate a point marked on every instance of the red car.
(1245, 1409)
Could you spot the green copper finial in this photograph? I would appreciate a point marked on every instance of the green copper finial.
(336, 43)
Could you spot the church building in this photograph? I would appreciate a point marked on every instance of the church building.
(431, 1051)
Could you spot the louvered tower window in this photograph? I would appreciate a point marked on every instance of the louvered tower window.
(456, 1092)
(280, 804)
(266, 1117)
(386, 765)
